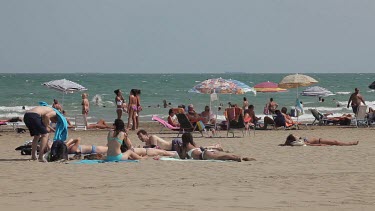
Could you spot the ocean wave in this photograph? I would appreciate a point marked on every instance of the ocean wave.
(343, 93)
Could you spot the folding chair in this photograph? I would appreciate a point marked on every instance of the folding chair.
(79, 123)
(361, 117)
(185, 124)
(164, 124)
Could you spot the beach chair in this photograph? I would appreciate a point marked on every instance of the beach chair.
(79, 123)
(186, 125)
(238, 124)
(164, 124)
(318, 117)
(361, 117)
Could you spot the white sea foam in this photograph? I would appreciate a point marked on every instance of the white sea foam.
(97, 100)
(343, 93)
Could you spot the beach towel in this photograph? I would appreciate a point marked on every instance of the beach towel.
(61, 131)
(299, 107)
(102, 161)
(186, 160)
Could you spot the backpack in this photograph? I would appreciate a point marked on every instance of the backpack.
(59, 151)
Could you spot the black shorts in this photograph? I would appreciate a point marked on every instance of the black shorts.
(355, 109)
(34, 123)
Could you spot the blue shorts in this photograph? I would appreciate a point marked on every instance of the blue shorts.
(93, 149)
(34, 123)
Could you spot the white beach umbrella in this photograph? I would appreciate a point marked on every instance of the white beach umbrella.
(64, 86)
(316, 91)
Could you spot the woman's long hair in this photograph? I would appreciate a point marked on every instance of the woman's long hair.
(289, 140)
(187, 138)
(119, 126)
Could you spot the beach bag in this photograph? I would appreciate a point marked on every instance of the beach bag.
(59, 151)
(201, 126)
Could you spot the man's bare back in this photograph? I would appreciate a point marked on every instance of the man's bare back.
(161, 143)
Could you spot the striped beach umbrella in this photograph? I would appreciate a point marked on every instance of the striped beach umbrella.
(268, 87)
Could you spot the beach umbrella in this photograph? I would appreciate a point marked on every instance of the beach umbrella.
(316, 91)
(216, 86)
(372, 86)
(64, 86)
(268, 87)
(295, 81)
(222, 86)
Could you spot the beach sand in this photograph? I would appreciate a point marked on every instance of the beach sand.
(282, 178)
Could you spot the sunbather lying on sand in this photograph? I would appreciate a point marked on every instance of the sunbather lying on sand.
(190, 150)
(293, 140)
(75, 147)
(153, 141)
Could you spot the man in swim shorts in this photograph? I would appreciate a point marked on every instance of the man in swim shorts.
(153, 141)
(355, 100)
(37, 120)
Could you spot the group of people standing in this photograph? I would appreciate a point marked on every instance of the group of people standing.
(132, 108)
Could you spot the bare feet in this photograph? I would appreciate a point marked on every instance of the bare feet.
(248, 159)
(355, 143)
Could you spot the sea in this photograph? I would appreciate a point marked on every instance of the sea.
(23, 91)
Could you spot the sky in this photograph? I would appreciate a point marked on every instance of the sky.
(195, 36)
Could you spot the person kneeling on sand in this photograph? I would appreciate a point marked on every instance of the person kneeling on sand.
(153, 141)
(190, 150)
(293, 140)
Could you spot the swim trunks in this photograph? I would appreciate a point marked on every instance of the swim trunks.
(354, 109)
(34, 123)
(176, 142)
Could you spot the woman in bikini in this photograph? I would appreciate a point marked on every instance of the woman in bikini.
(120, 103)
(115, 138)
(293, 140)
(139, 107)
(75, 147)
(190, 150)
(85, 107)
(132, 109)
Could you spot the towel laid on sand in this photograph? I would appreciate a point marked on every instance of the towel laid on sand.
(186, 160)
(102, 161)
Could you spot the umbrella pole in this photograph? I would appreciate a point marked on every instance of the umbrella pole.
(295, 108)
(62, 102)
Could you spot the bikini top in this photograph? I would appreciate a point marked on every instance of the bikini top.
(109, 138)
(119, 102)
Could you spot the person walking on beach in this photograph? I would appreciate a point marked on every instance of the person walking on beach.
(120, 103)
(85, 106)
(355, 100)
(37, 120)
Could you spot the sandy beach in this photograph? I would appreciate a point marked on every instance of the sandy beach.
(282, 178)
